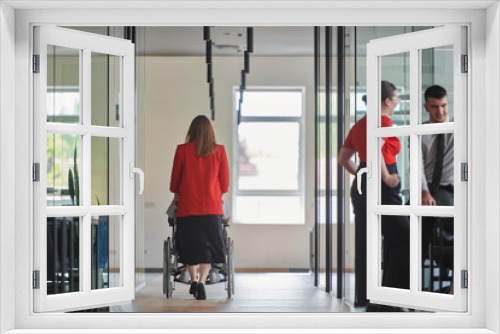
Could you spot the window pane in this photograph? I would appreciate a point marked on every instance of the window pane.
(63, 85)
(106, 171)
(399, 194)
(271, 104)
(395, 247)
(268, 156)
(63, 255)
(437, 254)
(269, 209)
(396, 70)
(438, 174)
(63, 166)
(437, 69)
(106, 90)
(106, 252)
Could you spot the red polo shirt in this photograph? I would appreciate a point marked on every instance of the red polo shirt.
(200, 182)
(356, 140)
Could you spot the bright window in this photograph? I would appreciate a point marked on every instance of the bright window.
(269, 183)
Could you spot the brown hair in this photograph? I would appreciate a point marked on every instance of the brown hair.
(202, 132)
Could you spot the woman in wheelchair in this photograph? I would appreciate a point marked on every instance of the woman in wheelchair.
(200, 176)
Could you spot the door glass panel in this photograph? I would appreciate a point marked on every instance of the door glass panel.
(268, 161)
(394, 192)
(106, 252)
(395, 248)
(63, 165)
(395, 69)
(437, 254)
(438, 180)
(106, 90)
(106, 171)
(63, 255)
(63, 85)
(437, 69)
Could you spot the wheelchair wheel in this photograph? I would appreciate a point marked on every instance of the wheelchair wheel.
(230, 268)
(167, 268)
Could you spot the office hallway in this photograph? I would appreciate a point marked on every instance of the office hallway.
(254, 292)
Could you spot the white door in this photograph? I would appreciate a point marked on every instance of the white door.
(84, 131)
(413, 62)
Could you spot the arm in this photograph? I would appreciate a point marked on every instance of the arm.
(391, 180)
(344, 159)
(175, 179)
(427, 198)
(224, 172)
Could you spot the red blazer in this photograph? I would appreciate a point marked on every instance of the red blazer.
(199, 182)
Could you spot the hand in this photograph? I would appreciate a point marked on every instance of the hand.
(427, 198)
(392, 180)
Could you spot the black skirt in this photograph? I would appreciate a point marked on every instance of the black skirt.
(200, 239)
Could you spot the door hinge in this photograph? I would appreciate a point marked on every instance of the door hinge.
(36, 279)
(36, 63)
(464, 168)
(36, 172)
(465, 279)
(465, 64)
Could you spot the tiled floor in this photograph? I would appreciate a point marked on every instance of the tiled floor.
(254, 292)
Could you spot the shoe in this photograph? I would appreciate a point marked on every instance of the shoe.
(194, 286)
(201, 292)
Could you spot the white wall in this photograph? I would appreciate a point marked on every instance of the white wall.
(176, 91)
(492, 162)
(7, 169)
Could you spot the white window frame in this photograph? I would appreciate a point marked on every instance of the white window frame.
(85, 44)
(484, 304)
(300, 192)
(413, 43)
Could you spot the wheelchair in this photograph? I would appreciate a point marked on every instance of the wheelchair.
(172, 269)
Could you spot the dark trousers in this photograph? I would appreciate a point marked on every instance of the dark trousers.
(444, 196)
(396, 232)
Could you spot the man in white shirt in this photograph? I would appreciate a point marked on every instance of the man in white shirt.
(437, 176)
(437, 181)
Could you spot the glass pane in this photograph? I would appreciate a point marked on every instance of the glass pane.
(271, 103)
(437, 84)
(437, 254)
(269, 209)
(395, 190)
(106, 90)
(63, 255)
(106, 171)
(63, 85)
(106, 252)
(63, 166)
(395, 99)
(268, 156)
(395, 243)
(438, 175)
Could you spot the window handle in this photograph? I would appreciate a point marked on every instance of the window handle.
(139, 171)
(366, 170)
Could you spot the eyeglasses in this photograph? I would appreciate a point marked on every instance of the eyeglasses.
(397, 99)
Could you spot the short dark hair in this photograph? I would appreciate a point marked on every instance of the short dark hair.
(436, 92)
(387, 89)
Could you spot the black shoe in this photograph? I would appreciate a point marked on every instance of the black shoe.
(192, 290)
(201, 292)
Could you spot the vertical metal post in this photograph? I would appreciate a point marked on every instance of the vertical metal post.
(328, 95)
(317, 185)
(340, 169)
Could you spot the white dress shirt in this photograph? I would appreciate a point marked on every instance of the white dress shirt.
(429, 149)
